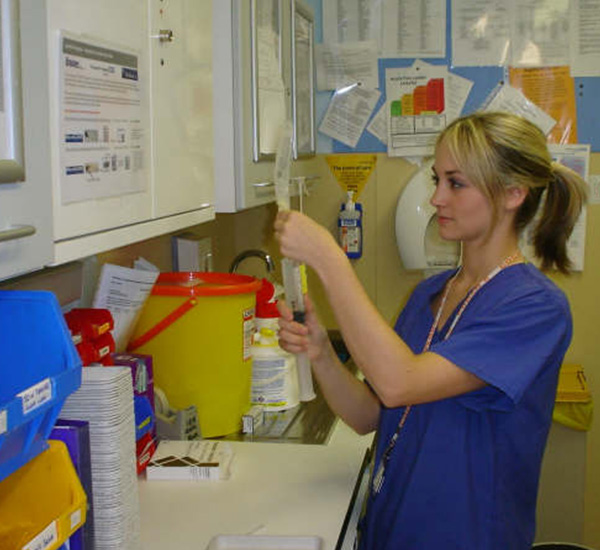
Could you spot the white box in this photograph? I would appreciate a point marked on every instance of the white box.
(191, 461)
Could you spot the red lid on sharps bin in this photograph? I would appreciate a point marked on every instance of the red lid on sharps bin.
(266, 304)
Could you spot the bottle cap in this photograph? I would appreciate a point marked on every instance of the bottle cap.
(266, 304)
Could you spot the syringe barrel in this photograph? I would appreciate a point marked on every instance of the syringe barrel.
(305, 384)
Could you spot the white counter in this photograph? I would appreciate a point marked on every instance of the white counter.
(274, 489)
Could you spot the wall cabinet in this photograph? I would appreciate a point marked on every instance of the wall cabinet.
(252, 46)
(118, 132)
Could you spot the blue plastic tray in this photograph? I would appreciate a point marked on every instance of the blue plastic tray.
(39, 368)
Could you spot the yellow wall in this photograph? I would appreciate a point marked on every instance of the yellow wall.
(380, 269)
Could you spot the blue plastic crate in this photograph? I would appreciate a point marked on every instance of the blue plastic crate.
(39, 368)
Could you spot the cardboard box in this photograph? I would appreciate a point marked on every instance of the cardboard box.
(191, 461)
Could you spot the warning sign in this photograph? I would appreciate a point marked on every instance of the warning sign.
(352, 171)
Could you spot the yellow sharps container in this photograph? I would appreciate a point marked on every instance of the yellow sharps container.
(198, 328)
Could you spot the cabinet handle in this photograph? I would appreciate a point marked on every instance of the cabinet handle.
(164, 35)
(16, 232)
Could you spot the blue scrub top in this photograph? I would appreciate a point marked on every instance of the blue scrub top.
(464, 472)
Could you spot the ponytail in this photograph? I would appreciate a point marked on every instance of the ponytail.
(565, 197)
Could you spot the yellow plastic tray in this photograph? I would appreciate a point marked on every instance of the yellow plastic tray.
(43, 503)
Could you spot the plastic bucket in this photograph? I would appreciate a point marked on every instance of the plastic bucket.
(198, 328)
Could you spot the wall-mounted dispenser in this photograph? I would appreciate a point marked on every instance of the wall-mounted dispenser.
(417, 233)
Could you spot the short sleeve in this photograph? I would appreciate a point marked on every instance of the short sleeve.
(509, 343)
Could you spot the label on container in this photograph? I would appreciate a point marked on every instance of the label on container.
(36, 395)
(248, 328)
(3, 421)
(75, 519)
(105, 327)
(48, 538)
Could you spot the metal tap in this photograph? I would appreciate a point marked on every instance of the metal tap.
(266, 258)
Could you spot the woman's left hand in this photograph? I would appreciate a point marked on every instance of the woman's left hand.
(301, 238)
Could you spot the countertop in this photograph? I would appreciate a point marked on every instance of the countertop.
(274, 489)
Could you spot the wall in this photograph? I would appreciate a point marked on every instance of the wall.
(380, 269)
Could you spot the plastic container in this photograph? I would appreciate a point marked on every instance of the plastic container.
(90, 323)
(39, 369)
(274, 376)
(42, 504)
(198, 328)
(350, 228)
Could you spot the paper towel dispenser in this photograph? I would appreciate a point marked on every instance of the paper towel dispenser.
(417, 233)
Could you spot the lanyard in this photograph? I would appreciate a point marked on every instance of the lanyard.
(379, 476)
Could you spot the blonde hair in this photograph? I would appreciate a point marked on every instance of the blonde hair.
(497, 151)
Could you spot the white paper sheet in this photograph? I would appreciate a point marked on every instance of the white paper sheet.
(378, 124)
(540, 33)
(348, 113)
(123, 292)
(352, 20)
(414, 29)
(512, 100)
(481, 32)
(459, 89)
(594, 198)
(412, 133)
(339, 65)
(101, 121)
(271, 89)
(585, 38)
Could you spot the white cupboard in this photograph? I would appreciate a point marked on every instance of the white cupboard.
(252, 39)
(80, 108)
(25, 205)
(118, 133)
(181, 100)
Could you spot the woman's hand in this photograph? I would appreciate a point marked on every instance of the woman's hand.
(310, 338)
(301, 238)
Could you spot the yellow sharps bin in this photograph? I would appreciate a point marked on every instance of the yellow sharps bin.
(198, 328)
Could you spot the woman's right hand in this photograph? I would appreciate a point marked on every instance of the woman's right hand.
(310, 338)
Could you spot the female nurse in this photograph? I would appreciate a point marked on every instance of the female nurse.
(461, 390)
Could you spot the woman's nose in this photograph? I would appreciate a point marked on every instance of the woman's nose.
(437, 198)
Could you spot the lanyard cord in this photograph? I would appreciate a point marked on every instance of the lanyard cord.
(379, 475)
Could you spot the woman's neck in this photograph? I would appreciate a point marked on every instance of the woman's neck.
(478, 262)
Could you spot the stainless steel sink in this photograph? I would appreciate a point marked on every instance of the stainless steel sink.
(310, 423)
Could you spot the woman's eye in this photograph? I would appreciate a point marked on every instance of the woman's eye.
(455, 184)
(435, 180)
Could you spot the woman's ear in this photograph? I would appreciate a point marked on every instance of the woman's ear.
(514, 198)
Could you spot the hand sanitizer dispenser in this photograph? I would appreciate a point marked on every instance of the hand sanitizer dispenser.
(417, 234)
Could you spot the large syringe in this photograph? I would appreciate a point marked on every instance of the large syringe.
(294, 273)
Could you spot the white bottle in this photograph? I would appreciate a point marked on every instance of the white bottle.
(274, 379)
(350, 227)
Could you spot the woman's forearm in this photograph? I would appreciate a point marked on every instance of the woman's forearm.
(377, 350)
(347, 396)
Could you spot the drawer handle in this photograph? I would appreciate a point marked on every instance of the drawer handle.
(16, 232)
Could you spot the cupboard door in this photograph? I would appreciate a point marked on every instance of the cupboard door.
(252, 100)
(97, 98)
(25, 206)
(251, 40)
(182, 121)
